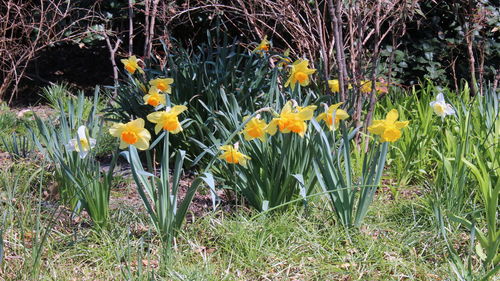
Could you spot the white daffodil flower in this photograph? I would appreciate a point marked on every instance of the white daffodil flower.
(85, 144)
(441, 108)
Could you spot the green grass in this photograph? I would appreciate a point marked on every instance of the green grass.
(398, 241)
(294, 245)
(11, 125)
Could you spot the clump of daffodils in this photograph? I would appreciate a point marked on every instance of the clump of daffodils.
(292, 119)
(441, 108)
(133, 133)
(388, 129)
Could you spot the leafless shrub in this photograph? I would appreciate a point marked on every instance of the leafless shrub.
(369, 25)
(27, 27)
(345, 35)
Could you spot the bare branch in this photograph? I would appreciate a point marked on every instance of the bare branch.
(27, 27)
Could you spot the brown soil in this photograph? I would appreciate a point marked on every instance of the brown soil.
(42, 111)
(200, 205)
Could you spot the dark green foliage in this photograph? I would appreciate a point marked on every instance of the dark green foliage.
(435, 47)
(199, 77)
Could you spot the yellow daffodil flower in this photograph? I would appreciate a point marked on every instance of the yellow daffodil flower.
(131, 133)
(299, 74)
(333, 115)
(291, 119)
(334, 85)
(441, 108)
(254, 129)
(263, 46)
(388, 129)
(167, 120)
(233, 156)
(380, 87)
(85, 143)
(162, 84)
(366, 87)
(131, 65)
(154, 98)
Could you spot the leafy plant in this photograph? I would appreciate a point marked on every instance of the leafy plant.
(92, 186)
(199, 76)
(489, 191)
(160, 193)
(15, 186)
(18, 146)
(349, 198)
(451, 177)
(465, 270)
(60, 98)
(267, 180)
(473, 170)
(82, 184)
(484, 164)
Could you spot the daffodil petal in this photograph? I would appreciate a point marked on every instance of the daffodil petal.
(137, 123)
(142, 144)
(334, 106)
(392, 116)
(155, 117)
(178, 109)
(440, 97)
(116, 129)
(376, 129)
(272, 128)
(226, 147)
(123, 144)
(144, 134)
(177, 130)
(321, 116)
(307, 113)
(341, 114)
(158, 128)
(401, 124)
(287, 107)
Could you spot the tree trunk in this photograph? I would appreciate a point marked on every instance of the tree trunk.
(336, 14)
